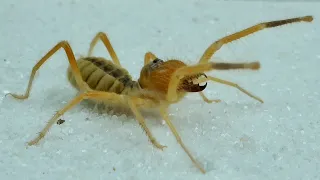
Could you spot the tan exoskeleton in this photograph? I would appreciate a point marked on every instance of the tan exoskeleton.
(161, 83)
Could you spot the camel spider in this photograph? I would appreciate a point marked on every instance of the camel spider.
(161, 83)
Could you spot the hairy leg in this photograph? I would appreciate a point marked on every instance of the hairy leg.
(165, 116)
(99, 96)
(219, 43)
(233, 85)
(148, 57)
(103, 37)
(133, 105)
(205, 99)
(72, 61)
(199, 68)
(54, 119)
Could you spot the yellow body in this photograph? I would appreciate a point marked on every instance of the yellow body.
(103, 75)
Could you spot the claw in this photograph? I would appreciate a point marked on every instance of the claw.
(189, 86)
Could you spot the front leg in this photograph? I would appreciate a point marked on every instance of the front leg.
(228, 83)
(164, 113)
(205, 99)
(132, 102)
(214, 47)
(200, 68)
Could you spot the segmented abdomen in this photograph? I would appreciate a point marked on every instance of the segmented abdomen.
(103, 75)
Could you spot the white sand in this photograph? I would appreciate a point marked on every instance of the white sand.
(238, 138)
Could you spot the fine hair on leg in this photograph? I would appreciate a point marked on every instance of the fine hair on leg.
(72, 61)
(105, 40)
(214, 47)
(204, 67)
(100, 96)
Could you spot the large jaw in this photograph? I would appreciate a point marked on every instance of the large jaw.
(188, 83)
(156, 76)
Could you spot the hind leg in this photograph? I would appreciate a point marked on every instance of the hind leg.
(73, 64)
(101, 96)
(103, 37)
(87, 95)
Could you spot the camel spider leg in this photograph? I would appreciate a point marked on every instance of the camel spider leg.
(219, 43)
(103, 37)
(199, 68)
(228, 83)
(203, 64)
(66, 46)
(165, 116)
(100, 96)
(133, 105)
(83, 87)
(205, 99)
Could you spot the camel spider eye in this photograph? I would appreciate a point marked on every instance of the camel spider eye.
(156, 63)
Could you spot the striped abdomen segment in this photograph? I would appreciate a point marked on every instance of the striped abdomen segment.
(103, 75)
